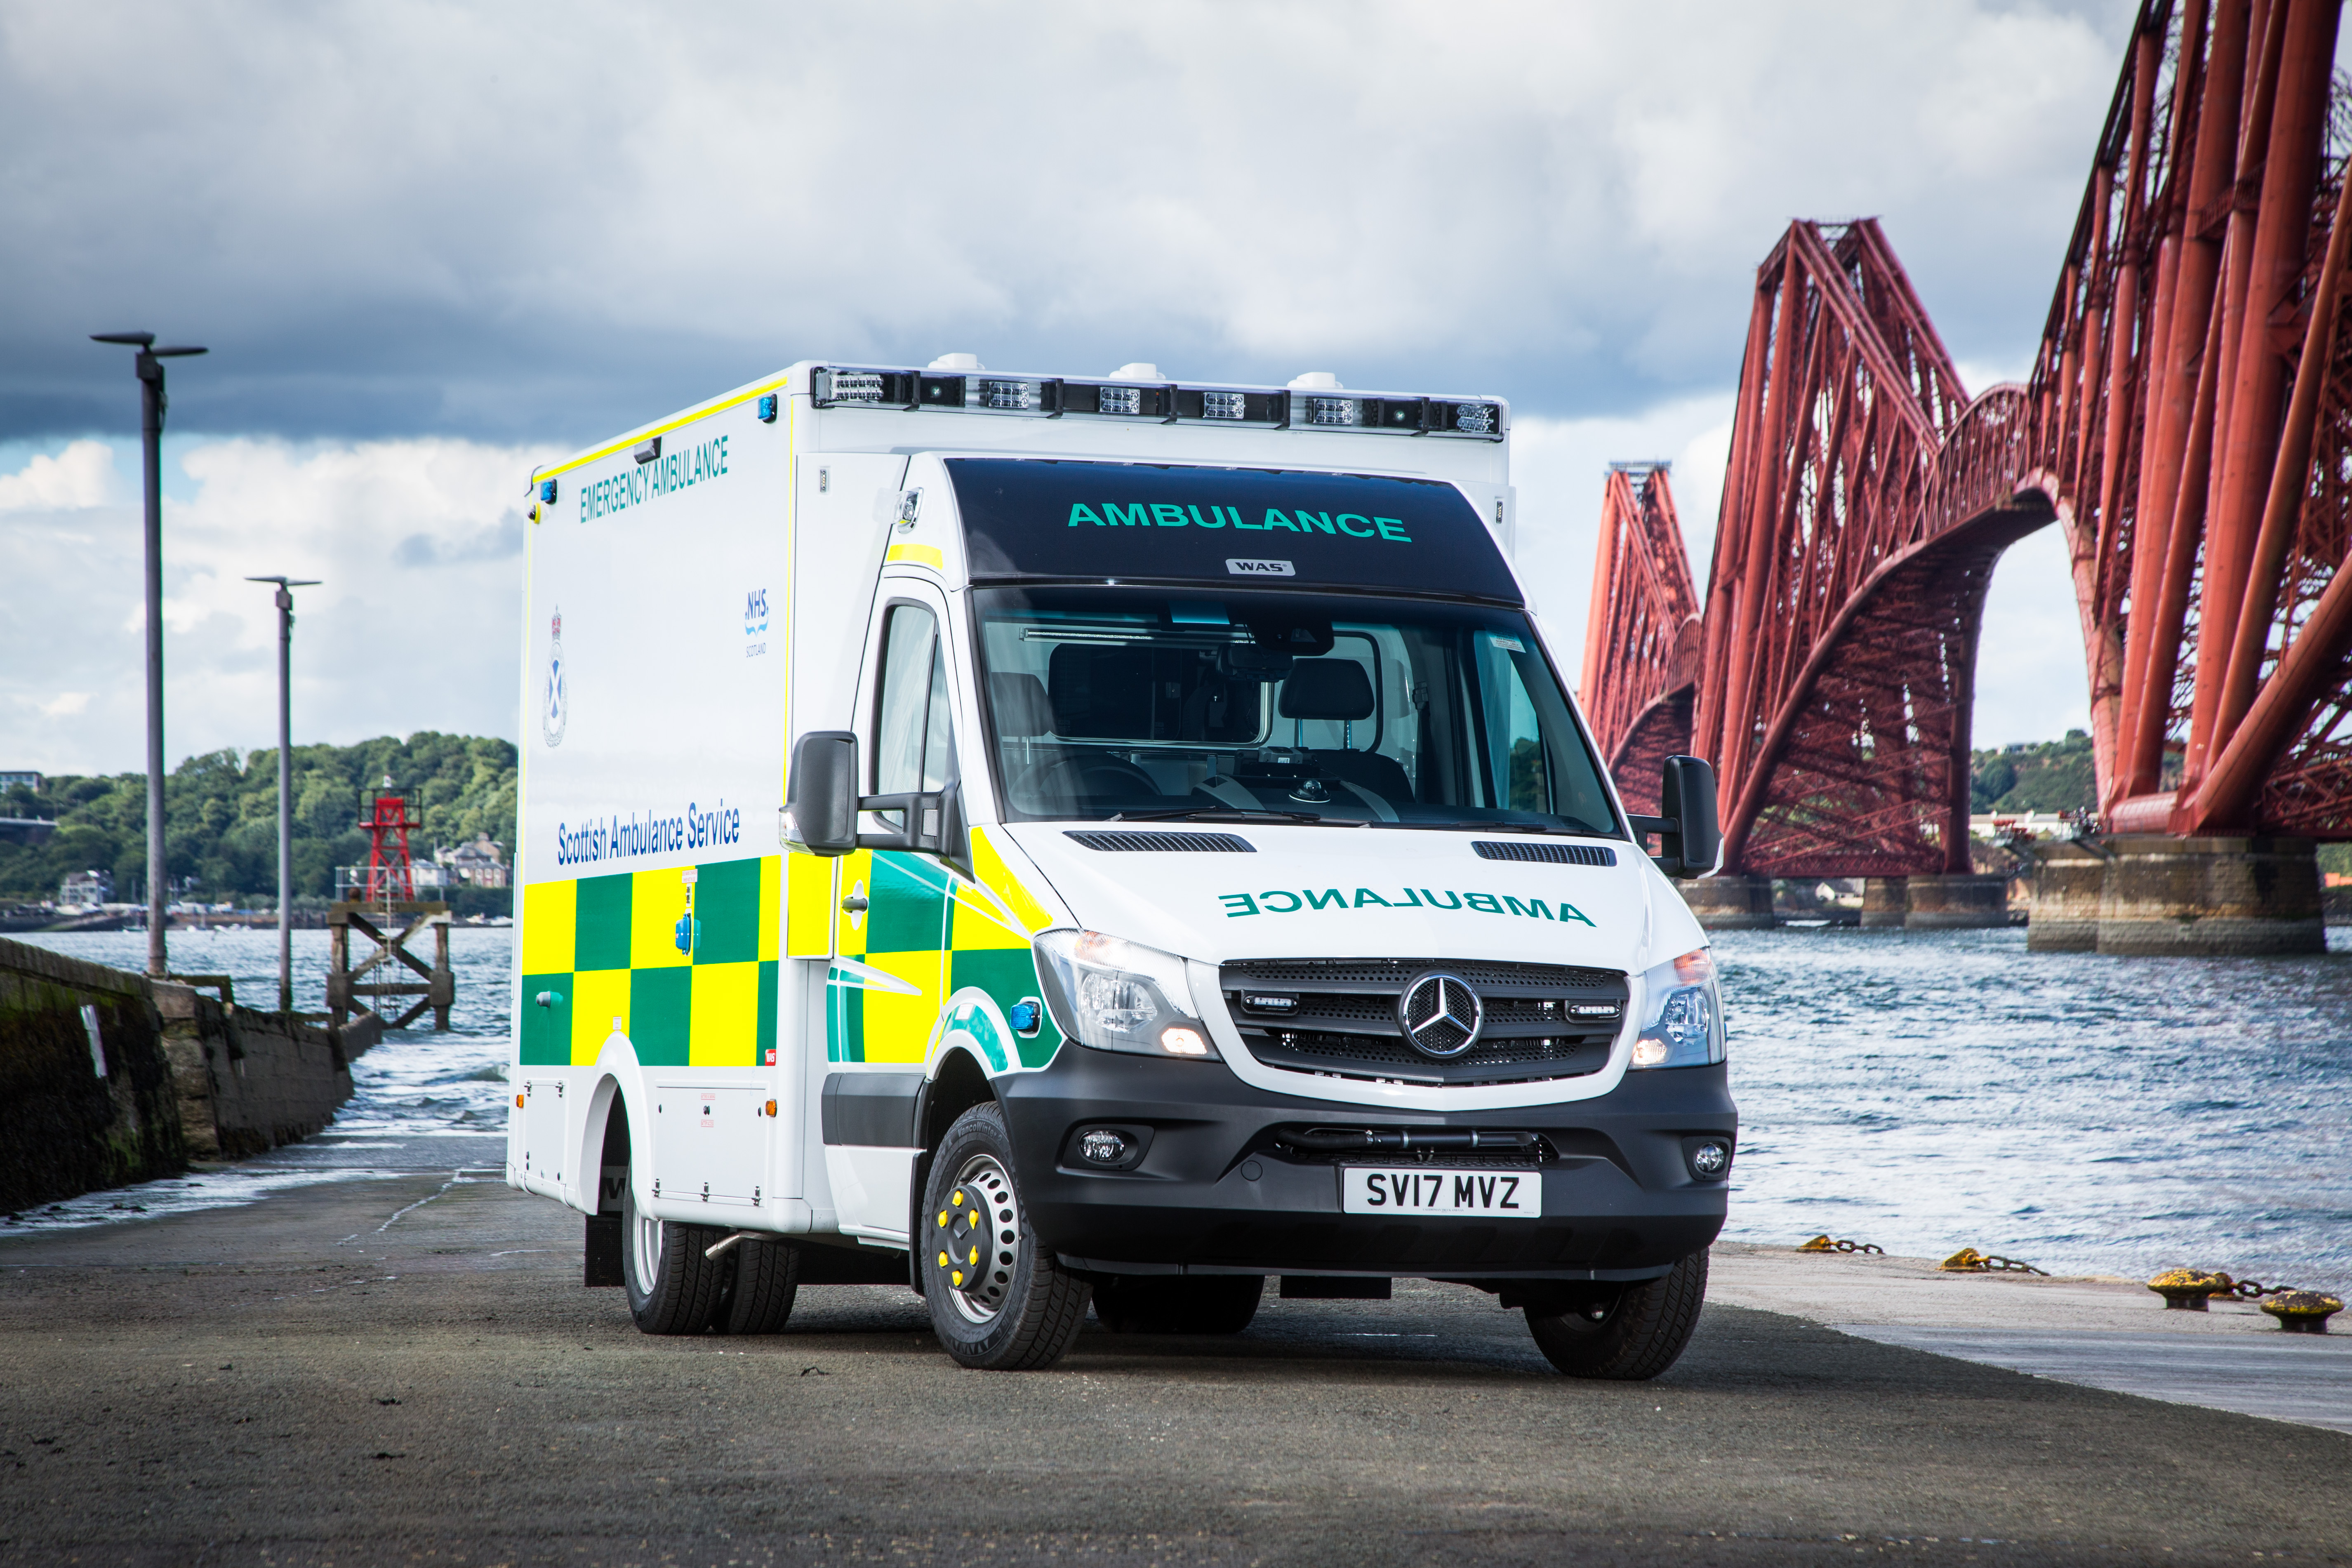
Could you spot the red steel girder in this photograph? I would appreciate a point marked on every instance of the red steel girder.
(1865, 503)
(2189, 421)
(1641, 635)
(2194, 424)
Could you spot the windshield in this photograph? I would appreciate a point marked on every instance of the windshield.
(1131, 703)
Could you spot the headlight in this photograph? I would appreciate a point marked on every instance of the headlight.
(1682, 1013)
(1119, 995)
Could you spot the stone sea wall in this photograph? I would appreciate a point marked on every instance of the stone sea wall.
(107, 1078)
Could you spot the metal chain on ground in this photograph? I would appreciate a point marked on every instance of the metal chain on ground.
(1968, 1260)
(1824, 1244)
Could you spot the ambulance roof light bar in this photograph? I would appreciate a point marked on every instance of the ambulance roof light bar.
(1314, 402)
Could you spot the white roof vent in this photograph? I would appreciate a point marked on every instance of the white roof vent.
(956, 362)
(1138, 371)
(1316, 381)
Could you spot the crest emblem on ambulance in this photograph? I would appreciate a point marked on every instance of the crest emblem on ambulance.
(554, 698)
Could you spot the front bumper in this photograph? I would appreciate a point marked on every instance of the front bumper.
(1213, 1193)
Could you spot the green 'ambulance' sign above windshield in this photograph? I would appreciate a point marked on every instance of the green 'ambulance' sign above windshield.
(1031, 518)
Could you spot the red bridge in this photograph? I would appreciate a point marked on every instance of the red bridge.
(2189, 424)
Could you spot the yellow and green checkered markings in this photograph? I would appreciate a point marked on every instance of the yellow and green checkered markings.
(687, 970)
(937, 937)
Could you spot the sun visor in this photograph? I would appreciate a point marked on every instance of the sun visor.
(1035, 518)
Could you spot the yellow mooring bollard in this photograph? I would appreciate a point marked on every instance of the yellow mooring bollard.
(2186, 1290)
(2303, 1311)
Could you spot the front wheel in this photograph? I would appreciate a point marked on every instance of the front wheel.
(997, 1299)
(1632, 1338)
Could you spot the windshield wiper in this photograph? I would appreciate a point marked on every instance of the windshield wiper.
(1576, 830)
(1222, 814)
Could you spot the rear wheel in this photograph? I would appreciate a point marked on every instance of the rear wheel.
(673, 1288)
(1165, 1304)
(762, 1279)
(1636, 1336)
(997, 1299)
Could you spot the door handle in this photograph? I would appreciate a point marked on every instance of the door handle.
(854, 904)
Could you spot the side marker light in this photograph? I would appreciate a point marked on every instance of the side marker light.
(767, 411)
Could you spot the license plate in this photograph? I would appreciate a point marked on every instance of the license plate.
(1491, 1195)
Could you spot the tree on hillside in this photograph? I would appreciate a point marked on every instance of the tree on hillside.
(220, 815)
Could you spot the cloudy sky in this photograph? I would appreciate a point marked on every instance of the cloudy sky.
(431, 245)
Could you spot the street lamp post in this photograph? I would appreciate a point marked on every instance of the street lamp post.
(151, 404)
(286, 586)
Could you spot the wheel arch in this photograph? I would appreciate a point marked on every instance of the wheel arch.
(959, 1082)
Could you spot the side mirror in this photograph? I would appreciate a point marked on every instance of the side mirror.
(821, 812)
(1690, 841)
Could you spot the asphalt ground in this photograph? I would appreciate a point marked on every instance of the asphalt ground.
(404, 1369)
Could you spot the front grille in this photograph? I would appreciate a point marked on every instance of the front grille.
(1554, 853)
(1338, 1017)
(1198, 843)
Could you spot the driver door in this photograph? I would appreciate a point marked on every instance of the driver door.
(891, 928)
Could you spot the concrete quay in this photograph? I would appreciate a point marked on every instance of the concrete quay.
(2099, 1331)
(405, 1369)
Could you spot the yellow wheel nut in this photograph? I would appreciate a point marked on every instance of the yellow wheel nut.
(957, 1198)
(943, 1216)
(943, 1260)
(957, 1278)
(974, 1259)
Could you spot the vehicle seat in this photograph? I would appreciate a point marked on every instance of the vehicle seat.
(1023, 713)
(1339, 689)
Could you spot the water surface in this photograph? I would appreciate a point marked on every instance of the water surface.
(1923, 1091)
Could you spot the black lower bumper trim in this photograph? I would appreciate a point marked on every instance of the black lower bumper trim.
(1217, 1194)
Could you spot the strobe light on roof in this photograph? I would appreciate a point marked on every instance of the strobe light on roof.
(1110, 398)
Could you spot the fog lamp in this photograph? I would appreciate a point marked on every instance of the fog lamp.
(1178, 1041)
(1709, 1161)
(1102, 1147)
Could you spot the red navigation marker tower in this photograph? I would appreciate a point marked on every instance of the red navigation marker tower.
(388, 890)
(391, 875)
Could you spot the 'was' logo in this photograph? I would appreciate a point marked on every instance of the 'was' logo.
(554, 700)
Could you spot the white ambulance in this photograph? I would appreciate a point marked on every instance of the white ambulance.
(1055, 841)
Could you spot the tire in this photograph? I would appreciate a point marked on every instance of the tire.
(1631, 1339)
(1160, 1304)
(997, 1299)
(762, 1279)
(673, 1288)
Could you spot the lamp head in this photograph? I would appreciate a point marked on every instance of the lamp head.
(135, 339)
(178, 352)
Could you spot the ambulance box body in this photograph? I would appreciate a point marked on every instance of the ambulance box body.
(1060, 843)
